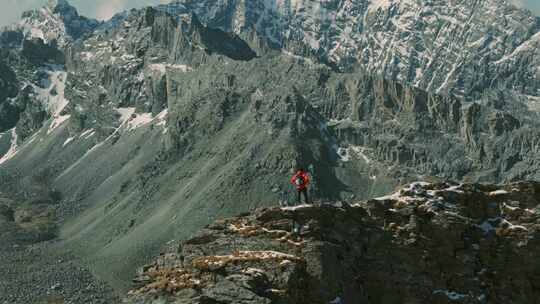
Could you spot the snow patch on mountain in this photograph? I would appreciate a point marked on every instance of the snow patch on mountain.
(532, 103)
(139, 120)
(13, 150)
(299, 58)
(87, 134)
(52, 97)
(68, 141)
(84, 135)
(162, 67)
(381, 4)
(131, 120)
(58, 102)
(161, 118)
(57, 121)
(451, 295)
(125, 113)
(346, 154)
(533, 44)
(87, 56)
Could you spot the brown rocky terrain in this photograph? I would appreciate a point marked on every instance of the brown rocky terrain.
(427, 243)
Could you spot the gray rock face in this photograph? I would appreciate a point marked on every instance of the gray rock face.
(37, 52)
(11, 38)
(395, 130)
(8, 89)
(8, 82)
(427, 243)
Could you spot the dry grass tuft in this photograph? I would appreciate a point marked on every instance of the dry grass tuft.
(212, 263)
(245, 230)
(170, 281)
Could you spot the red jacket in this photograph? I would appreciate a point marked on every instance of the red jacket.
(304, 176)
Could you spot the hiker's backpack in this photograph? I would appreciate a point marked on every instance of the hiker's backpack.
(300, 180)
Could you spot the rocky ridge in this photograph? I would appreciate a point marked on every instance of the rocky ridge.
(427, 243)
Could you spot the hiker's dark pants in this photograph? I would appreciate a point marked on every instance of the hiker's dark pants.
(299, 198)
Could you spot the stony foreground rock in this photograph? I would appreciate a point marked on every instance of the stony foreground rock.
(427, 243)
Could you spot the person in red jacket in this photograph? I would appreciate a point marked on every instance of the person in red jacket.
(301, 181)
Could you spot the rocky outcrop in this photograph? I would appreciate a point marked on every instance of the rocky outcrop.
(11, 38)
(37, 52)
(8, 89)
(427, 243)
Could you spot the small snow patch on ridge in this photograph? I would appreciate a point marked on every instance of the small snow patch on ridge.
(498, 192)
(158, 67)
(299, 58)
(57, 121)
(161, 118)
(162, 67)
(53, 97)
(345, 154)
(131, 120)
(13, 150)
(68, 141)
(87, 56)
(381, 4)
(125, 113)
(293, 208)
(88, 133)
(451, 295)
(139, 120)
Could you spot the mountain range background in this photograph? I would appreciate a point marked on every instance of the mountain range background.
(103, 9)
(121, 137)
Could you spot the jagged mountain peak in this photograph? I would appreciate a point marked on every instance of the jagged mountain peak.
(57, 21)
(54, 4)
(63, 9)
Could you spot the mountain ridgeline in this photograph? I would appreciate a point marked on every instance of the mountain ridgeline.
(155, 123)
